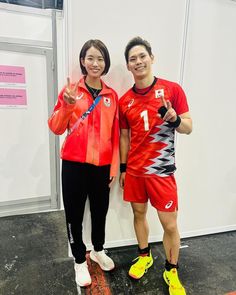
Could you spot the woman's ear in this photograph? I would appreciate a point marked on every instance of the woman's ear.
(82, 61)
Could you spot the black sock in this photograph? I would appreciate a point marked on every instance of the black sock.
(144, 251)
(169, 266)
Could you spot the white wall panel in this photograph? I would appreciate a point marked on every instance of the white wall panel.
(207, 159)
(28, 166)
(24, 152)
(25, 23)
(115, 23)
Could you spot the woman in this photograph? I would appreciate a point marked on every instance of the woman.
(88, 110)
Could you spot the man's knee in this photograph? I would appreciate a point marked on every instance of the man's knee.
(139, 214)
(170, 228)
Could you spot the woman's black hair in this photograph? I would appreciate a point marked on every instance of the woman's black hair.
(99, 45)
(135, 42)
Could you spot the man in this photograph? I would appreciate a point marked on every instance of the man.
(150, 113)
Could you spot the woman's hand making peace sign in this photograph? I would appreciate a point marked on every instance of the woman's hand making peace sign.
(70, 92)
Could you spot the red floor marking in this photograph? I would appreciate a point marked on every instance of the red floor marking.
(99, 284)
(231, 293)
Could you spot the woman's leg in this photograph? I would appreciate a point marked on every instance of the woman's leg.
(74, 189)
(99, 203)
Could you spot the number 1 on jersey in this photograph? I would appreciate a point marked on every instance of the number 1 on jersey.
(144, 115)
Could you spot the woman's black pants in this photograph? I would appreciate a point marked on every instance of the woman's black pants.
(79, 181)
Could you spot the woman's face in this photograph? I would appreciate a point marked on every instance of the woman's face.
(93, 62)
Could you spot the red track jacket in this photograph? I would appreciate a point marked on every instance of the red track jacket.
(96, 139)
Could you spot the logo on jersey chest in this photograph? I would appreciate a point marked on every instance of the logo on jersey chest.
(130, 103)
(107, 101)
(159, 93)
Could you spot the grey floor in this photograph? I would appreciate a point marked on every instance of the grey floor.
(34, 261)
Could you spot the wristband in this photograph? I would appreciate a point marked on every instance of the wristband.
(162, 111)
(176, 123)
(122, 167)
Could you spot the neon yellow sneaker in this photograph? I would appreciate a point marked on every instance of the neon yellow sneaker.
(172, 280)
(139, 268)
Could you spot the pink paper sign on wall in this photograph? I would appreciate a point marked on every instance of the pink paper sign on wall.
(13, 97)
(12, 74)
(12, 87)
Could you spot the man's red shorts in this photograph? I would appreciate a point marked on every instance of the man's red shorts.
(161, 191)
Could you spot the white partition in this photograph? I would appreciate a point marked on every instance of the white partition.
(25, 23)
(28, 172)
(207, 159)
(115, 23)
(24, 157)
(160, 22)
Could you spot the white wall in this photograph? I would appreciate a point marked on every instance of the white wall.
(160, 22)
(25, 141)
(25, 23)
(207, 159)
(206, 163)
(26, 174)
(164, 28)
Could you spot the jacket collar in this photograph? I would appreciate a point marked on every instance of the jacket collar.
(105, 89)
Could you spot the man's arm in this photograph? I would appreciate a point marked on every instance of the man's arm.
(124, 148)
(168, 114)
(124, 145)
(186, 125)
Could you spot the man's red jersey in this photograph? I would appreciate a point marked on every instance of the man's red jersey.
(152, 146)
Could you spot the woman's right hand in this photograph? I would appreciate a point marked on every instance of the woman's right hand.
(70, 92)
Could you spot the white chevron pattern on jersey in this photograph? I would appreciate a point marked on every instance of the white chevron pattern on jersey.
(164, 164)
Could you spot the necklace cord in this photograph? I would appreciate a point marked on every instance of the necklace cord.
(94, 91)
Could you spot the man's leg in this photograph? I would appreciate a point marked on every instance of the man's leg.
(135, 193)
(144, 260)
(163, 196)
(171, 238)
(140, 224)
(171, 242)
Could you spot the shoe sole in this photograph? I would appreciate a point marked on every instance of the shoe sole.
(83, 286)
(137, 278)
(168, 283)
(93, 258)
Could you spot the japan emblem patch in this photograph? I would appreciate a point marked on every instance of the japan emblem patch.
(159, 93)
(107, 101)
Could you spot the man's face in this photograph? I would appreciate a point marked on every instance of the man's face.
(140, 62)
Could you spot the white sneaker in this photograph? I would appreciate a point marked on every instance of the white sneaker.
(82, 275)
(104, 261)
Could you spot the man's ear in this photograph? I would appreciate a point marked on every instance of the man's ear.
(127, 65)
(152, 58)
